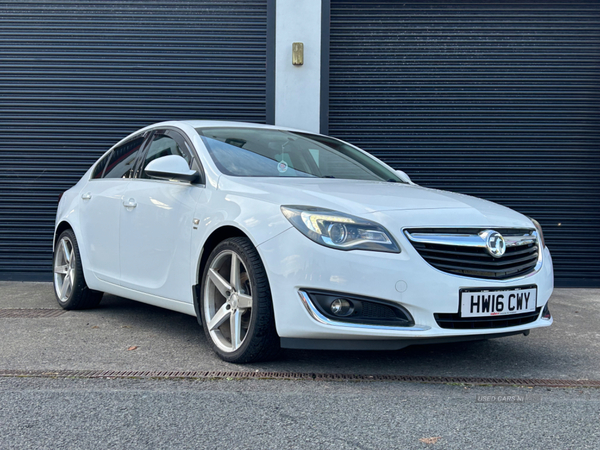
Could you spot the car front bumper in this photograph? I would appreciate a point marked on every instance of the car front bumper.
(294, 264)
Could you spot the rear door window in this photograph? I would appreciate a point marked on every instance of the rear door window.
(123, 158)
(100, 166)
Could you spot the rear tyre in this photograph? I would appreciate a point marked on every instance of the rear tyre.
(236, 305)
(69, 284)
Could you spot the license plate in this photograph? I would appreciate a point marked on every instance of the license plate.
(490, 303)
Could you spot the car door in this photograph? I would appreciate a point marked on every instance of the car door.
(100, 208)
(156, 224)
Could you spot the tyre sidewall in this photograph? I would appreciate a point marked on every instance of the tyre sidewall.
(71, 236)
(81, 296)
(258, 307)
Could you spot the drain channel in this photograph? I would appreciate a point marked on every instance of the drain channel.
(30, 313)
(296, 376)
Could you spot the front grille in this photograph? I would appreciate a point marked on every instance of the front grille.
(475, 261)
(454, 321)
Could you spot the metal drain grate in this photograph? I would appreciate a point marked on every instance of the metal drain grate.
(300, 376)
(30, 313)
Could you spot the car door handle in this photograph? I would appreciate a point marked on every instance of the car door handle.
(87, 196)
(130, 204)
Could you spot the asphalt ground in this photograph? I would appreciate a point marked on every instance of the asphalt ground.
(251, 414)
(102, 339)
(50, 412)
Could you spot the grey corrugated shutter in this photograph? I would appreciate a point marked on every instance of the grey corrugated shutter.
(76, 76)
(497, 99)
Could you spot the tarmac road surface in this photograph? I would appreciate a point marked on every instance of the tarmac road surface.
(234, 413)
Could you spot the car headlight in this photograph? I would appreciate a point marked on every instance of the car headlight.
(338, 230)
(538, 228)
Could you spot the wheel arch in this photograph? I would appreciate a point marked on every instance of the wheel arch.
(62, 226)
(217, 236)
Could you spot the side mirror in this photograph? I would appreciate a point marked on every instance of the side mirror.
(403, 176)
(171, 167)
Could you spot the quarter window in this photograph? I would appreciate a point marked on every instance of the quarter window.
(123, 157)
(99, 169)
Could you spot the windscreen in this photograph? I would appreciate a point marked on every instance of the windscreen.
(255, 152)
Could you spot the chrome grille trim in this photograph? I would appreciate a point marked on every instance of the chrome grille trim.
(463, 252)
(470, 240)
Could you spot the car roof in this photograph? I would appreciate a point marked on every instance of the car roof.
(224, 124)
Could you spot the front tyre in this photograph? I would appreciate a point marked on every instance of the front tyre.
(236, 306)
(69, 284)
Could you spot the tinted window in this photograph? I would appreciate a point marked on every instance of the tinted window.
(255, 152)
(234, 160)
(122, 160)
(163, 145)
(99, 169)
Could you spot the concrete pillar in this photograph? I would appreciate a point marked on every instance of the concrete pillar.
(297, 88)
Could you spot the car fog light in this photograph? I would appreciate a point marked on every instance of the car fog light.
(338, 233)
(349, 308)
(341, 307)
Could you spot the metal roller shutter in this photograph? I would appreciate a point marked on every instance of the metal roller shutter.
(76, 76)
(497, 99)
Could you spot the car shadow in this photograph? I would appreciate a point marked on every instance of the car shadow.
(514, 356)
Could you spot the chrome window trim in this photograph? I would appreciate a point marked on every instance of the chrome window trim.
(108, 154)
(316, 315)
(158, 180)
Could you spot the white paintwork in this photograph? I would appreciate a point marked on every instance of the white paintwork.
(155, 238)
(99, 226)
(169, 165)
(404, 176)
(298, 88)
(161, 246)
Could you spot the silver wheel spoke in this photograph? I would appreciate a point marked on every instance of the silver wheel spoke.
(61, 269)
(227, 321)
(65, 251)
(221, 316)
(65, 286)
(235, 323)
(244, 301)
(220, 282)
(64, 269)
(234, 277)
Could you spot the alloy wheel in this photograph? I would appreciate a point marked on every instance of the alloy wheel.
(64, 269)
(227, 301)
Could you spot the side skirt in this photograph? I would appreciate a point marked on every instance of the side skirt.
(167, 303)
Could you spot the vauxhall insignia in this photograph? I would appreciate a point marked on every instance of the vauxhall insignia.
(495, 244)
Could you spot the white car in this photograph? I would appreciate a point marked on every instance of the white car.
(278, 238)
